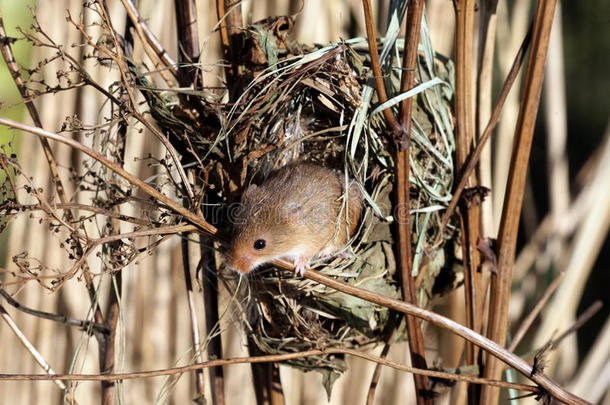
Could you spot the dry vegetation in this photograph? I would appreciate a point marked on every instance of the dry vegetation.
(142, 125)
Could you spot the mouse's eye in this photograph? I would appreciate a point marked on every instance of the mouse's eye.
(260, 244)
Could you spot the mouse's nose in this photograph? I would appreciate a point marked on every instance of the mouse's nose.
(243, 264)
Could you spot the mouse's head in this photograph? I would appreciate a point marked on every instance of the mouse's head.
(262, 232)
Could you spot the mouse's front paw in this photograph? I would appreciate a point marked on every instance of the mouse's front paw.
(301, 265)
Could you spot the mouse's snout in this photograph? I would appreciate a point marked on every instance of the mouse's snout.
(240, 263)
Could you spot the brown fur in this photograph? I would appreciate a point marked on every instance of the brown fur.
(298, 212)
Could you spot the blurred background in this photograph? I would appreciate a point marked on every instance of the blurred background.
(564, 224)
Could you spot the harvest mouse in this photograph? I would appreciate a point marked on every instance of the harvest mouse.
(296, 214)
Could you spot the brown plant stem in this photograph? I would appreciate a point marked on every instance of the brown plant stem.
(82, 207)
(401, 139)
(212, 322)
(230, 21)
(188, 42)
(107, 349)
(224, 38)
(370, 397)
(464, 123)
(464, 112)
(484, 103)
(266, 359)
(190, 296)
(403, 220)
(266, 379)
(482, 210)
(107, 342)
(501, 281)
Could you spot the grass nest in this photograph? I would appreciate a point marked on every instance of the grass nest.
(318, 104)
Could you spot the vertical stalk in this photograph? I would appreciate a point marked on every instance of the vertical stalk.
(186, 267)
(188, 42)
(501, 281)
(401, 137)
(266, 376)
(107, 344)
(267, 384)
(487, 39)
(403, 143)
(210, 302)
(464, 117)
(230, 19)
(556, 135)
(376, 67)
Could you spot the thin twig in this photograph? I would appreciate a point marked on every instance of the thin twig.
(107, 345)
(63, 319)
(580, 321)
(265, 359)
(370, 397)
(85, 207)
(533, 314)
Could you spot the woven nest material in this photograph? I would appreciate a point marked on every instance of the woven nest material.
(317, 105)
